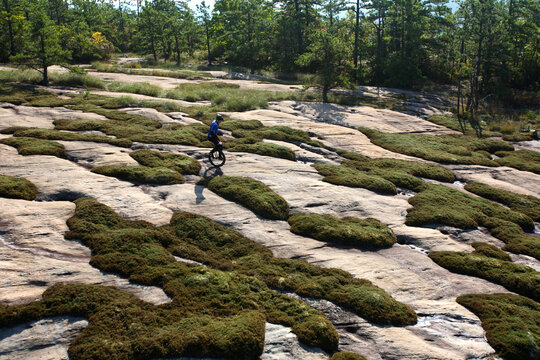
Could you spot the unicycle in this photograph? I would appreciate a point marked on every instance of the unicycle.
(216, 156)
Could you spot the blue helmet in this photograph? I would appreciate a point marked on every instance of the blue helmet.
(219, 117)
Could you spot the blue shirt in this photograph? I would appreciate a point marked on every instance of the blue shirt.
(214, 127)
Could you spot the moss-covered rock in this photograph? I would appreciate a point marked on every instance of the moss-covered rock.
(487, 264)
(49, 134)
(526, 160)
(17, 188)
(446, 149)
(512, 323)
(251, 193)
(528, 205)
(345, 355)
(141, 174)
(180, 163)
(490, 251)
(33, 146)
(368, 233)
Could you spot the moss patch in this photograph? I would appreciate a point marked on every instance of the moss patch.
(512, 323)
(213, 312)
(446, 149)
(481, 263)
(142, 174)
(345, 355)
(525, 160)
(369, 233)
(33, 146)
(490, 251)
(262, 148)
(17, 188)
(281, 133)
(177, 162)
(528, 205)
(49, 134)
(251, 193)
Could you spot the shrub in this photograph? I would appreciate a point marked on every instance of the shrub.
(253, 194)
(528, 205)
(17, 188)
(32, 146)
(512, 323)
(370, 233)
(177, 162)
(142, 174)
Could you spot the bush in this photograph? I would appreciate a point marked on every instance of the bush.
(32, 146)
(177, 162)
(251, 193)
(370, 233)
(512, 323)
(142, 174)
(528, 205)
(17, 188)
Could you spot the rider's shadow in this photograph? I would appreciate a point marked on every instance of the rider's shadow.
(208, 174)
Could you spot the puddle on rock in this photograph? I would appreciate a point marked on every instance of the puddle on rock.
(459, 183)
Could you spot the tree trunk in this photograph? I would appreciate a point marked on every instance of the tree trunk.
(10, 29)
(177, 51)
(356, 31)
(208, 44)
(325, 90)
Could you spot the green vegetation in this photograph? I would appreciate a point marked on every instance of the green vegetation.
(212, 312)
(526, 204)
(141, 174)
(50, 134)
(347, 176)
(491, 251)
(365, 233)
(281, 133)
(487, 263)
(442, 205)
(261, 148)
(446, 149)
(512, 323)
(180, 163)
(252, 194)
(33, 146)
(55, 78)
(345, 355)
(526, 160)
(178, 74)
(136, 88)
(17, 188)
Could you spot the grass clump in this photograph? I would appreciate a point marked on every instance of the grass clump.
(528, 205)
(526, 160)
(345, 355)
(233, 125)
(136, 88)
(347, 176)
(366, 233)
(17, 188)
(252, 194)
(446, 149)
(262, 148)
(511, 322)
(50, 134)
(487, 263)
(33, 146)
(442, 205)
(56, 78)
(177, 162)
(141, 174)
(490, 251)
(281, 133)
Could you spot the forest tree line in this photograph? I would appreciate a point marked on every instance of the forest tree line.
(493, 46)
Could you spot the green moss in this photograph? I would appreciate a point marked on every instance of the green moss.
(512, 323)
(142, 174)
(281, 133)
(33, 146)
(232, 125)
(528, 205)
(251, 193)
(136, 88)
(514, 237)
(515, 277)
(446, 149)
(347, 176)
(50, 134)
(526, 160)
(177, 162)
(17, 188)
(518, 137)
(490, 251)
(345, 355)
(370, 233)
(262, 148)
